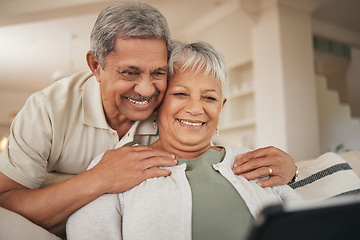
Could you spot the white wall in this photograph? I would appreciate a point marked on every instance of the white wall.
(230, 35)
(10, 100)
(336, 125)
(353, 82)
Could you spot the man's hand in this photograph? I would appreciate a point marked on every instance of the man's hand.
(123, 168)
(263, 162)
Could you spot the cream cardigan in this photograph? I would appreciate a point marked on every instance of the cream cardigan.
(160, 208)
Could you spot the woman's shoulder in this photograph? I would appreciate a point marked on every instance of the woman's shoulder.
(235, 150)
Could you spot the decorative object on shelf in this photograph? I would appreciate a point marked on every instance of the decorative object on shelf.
(3, 143)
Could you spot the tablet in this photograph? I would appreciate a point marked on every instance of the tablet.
(337, 218)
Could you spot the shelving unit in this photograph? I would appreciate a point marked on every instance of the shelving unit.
(237, 119)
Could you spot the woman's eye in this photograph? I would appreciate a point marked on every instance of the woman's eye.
(211, 99)
(180, 94)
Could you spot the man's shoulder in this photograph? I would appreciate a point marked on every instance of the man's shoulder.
(65, 87)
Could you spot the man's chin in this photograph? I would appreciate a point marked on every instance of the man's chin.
(139, 116)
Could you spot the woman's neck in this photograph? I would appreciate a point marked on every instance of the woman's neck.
(184, 152)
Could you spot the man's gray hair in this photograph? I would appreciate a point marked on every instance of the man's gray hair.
(199, 57)
(126, 20)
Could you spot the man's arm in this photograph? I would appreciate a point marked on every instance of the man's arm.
(256, 164)
(119, 170)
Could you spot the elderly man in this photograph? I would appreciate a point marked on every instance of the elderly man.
(63, 127)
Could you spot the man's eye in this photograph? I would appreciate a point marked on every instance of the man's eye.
(158, 75)
(130, 75)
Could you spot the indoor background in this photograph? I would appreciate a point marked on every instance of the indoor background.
(293, 65)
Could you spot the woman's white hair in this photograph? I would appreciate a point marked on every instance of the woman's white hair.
(199, 57)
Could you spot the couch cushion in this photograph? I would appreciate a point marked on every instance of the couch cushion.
(325, 177)
(15, 227)
(353, 159)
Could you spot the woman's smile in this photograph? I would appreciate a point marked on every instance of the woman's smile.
(190, 122)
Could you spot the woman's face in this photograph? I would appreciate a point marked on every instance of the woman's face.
(189, 114)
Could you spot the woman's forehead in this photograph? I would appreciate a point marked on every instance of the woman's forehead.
(189, 75)
(192, 80)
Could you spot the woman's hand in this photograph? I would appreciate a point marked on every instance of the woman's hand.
(263, 162)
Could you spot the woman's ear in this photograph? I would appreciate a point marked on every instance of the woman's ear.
(224, 101)
(93, 63)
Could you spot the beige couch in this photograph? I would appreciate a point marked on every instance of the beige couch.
(327, 176)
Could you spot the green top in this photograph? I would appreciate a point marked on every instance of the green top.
(218, 211)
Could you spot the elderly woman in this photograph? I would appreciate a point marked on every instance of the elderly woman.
(202, 198)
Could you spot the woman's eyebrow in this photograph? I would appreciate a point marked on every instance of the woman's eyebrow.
(210, 90)
(182, 86)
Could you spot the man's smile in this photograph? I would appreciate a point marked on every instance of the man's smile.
(140, 100)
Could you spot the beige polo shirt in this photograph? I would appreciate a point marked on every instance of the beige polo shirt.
(61, 129)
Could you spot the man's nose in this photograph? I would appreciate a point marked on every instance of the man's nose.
(145, 86)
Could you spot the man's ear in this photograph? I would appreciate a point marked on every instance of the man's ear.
(93, 63)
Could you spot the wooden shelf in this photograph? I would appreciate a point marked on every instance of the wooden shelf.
(237, 124)
(237, 120)
(239, 62)
(241, 93)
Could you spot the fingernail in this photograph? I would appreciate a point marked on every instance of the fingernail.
(235, 165)
(172, 156)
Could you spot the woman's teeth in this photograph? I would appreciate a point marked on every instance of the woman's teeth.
(138, 102)
(190, 123)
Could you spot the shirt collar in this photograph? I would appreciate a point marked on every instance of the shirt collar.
(92, 106)
(147, 126)
(94, 113)
(139, 128)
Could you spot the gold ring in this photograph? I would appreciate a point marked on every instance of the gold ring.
(270, 172)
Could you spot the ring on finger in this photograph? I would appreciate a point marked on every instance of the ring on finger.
(270, 172)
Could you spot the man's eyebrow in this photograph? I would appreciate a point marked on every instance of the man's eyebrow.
(165, 69)
(126, 67)
(132, 67)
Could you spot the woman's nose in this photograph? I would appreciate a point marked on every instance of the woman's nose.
(194, 106)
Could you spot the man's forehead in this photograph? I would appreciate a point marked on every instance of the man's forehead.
(153, 67)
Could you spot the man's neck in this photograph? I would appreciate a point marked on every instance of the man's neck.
(122, 126)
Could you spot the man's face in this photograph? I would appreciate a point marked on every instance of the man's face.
(134, 80)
